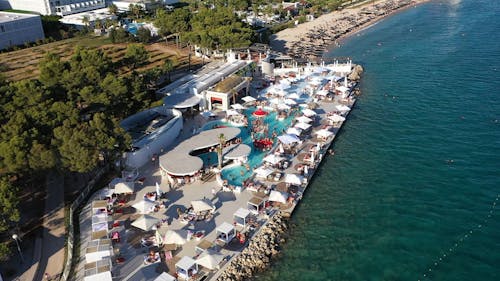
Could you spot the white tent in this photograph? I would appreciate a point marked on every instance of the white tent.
(294, 96)
(145, 222)
(103, 276)
(275, 101)
(232, 112)
(273, 159)
(283, 106)
(302, 126)
(294, 131)
(165, 277)
(336, 118)
(308, 112)
(263, 172)
(184, 266)
(293, 179)
(324, 133)
(322, 93)
(304, 119)
(343, 89)
(342, 107)
(202, 205)
(248, 99)
(288, 139)
(290, 102)
(124, 187)
(225, 232)
(237, 106)
(240, 216)
(210, 259)
(277, 196)
(144, 206)
(178, 237)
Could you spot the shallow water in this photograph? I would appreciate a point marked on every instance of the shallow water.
(410, 192)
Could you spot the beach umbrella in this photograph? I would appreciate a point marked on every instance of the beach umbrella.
(248, 99)
(275, 101)
(290, 102)
(202, 205)
(259, 113)
(294, 131)
(302, 126)
(294, 96)
(177, 237)
(324, 133)
(273, 159)
(210, 259)
(342, 89)
(145, 222)
(277, 196)
(336, 118)
(308, 112)
(144, 206)
(293, 179)
(124, 187)
(342, 107)
(322, 93)
(283, 106)
(304, 119)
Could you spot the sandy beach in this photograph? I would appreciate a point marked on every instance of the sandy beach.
(311, 39)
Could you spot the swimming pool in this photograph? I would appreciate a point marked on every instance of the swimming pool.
(133, 27)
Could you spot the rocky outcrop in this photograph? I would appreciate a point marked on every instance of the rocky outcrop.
(258, 255)
(356, 73)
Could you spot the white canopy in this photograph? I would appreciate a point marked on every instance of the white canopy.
(178, 237)
(324, 133)
(124, 187)
(210, 259)
(231, 112)
(302, 126)
(145, 222)
(293, 179)
(273, 159)
(277, 196)
(103, 276)
(304, 119)
(242, 213)
(248, 99)
(294, 131)
(225, 228)
(288, 139)
(185, 263)
(101, 253)
(308, 112)
(144, 206)
(263, 172)
(237, 106)
(294, 96)
(202, 205)
(165, 277)
(322, 93)
(342, 107)
(275, 101)
(290, 102)
(283, 106)
(336, 118)
(342, 88)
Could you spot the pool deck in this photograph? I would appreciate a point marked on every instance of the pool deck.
(225, 202)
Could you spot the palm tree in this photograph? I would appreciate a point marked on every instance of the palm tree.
(113, 9)
(222, 142)
(86, 20)
(168, 66)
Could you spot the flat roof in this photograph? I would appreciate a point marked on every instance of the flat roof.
(235, 151)
(9, 16)
(179, 162)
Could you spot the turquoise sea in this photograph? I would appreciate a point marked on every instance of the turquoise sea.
(410, 193)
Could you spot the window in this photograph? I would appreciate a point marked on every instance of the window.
(2, 28)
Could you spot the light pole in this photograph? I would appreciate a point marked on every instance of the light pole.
(16, 237)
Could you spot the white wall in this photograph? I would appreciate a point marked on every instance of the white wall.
(39, 6)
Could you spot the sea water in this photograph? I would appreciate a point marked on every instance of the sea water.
(412, 190)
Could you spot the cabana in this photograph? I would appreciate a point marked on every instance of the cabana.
(204, 205)
(308, 112)
(276, 196)
(256, 204)
(342, 107)
(248, 99)
(99, 207)
(282, 106)
(177, 237)
(304, 119)
(100, 222)
(240, 217)
(165, 277)
(273, 159)
(324, 133)
(302, 126)
(145, 222)
(294, 96)
(101, 276)
(232, 112)
(336, 118)
(263, 172)
(288, 139)
(293, 179)
(144, 206)
(124, 187)
(290, 102)
(294, 131)
(225, 232)
(210, 259)
(186, 268)
(97, 250)
(237, 106)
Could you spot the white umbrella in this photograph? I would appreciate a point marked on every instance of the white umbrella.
(324, 133)
(304, 119)
(158, 237)
(293, 179)
(288, 139)
(322, 93)
(177, 237)
(308, 112)
(248, 99)
(343, 89)
(202, 205)
(124, 187)
(158, 190)
(290, 102)
(294, 96)
(283, 106)
(273, 159)
(277, 196)
(145, 222)
(237, 106)
(302, 126)
(294, 131)
(144, 206)
(336, 118)
(342, 107)
(263, 172)
(275, 101)
(210, 259)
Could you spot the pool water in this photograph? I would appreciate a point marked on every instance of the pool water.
(133, 27)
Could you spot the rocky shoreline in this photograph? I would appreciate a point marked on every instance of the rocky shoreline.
(257, 256)
(312, 38)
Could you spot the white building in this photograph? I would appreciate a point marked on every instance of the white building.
(17, 29)
(59, 7)
(147, 5)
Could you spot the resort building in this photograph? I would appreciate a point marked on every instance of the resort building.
(152, 131)
(17, 29)
(147, 5)
(92, 16)
(59, 7)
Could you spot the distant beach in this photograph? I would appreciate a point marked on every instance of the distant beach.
(311, 39)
